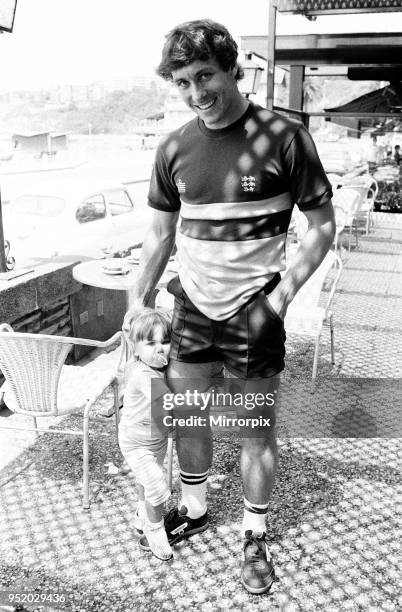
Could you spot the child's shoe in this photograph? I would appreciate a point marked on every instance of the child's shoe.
(155, 539)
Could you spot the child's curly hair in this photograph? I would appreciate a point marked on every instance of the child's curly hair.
(144, 324)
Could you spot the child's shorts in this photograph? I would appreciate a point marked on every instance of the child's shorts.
(146, 462)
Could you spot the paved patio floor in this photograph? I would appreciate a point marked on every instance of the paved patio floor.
(334, 520)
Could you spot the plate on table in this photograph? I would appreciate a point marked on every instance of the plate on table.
(115, 271)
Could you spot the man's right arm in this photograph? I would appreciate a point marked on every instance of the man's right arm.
(156, 249)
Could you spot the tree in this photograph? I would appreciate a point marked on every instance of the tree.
(312, 93)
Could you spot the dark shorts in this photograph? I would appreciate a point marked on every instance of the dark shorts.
(251, 344)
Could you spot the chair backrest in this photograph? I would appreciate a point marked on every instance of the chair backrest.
(340, 217)
(350, 200)
(309, 295)
(32, 365)
(367, 186)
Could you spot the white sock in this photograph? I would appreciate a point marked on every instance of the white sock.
(254, 517)
(194, 493)
(158, 540)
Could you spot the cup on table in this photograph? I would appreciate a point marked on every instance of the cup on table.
(109, 250)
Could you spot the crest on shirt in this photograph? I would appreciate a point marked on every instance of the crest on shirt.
(248, 183)
(181, 186)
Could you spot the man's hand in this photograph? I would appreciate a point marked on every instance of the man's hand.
(277, 303)
(156, 249)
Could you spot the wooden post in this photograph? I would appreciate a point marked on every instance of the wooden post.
(271, 53)
(296, 87)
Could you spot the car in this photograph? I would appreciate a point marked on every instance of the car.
(74, 217)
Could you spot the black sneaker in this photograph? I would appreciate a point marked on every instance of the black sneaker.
(180, 526)
(257, 574)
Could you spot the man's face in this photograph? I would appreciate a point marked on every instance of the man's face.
(210, 92)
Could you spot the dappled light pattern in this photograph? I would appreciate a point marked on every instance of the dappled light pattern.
(335, 511)
(332, 529)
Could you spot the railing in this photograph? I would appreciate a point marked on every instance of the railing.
(294, 114)
(305, 116)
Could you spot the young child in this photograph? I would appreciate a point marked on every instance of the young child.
(143, 442)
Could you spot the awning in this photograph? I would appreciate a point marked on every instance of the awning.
(385, 100)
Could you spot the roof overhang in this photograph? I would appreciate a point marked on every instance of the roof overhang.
(333, 7)
(376, 73)
(374, 49)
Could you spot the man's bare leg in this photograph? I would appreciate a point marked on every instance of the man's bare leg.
(258, 464)
(259, 453)
(194, 452)
(194, 448)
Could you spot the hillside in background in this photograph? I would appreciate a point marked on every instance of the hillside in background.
(121, 111)
(116, 112)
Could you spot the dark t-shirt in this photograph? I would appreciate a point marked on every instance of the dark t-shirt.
(235, 188)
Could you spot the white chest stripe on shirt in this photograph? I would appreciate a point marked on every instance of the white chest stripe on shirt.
(218, 211)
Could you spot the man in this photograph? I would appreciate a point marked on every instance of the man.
(233, 174)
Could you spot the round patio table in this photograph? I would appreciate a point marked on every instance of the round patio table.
(93, 273)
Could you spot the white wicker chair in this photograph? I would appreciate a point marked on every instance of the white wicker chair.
(38, 384)
(350, 200)
(367, 186)
(366, 209)
(305, 317)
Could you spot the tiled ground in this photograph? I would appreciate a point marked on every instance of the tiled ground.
(335, 511)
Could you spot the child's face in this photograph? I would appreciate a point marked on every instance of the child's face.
(154, 352)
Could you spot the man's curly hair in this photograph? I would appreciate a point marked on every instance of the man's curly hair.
(201, 39)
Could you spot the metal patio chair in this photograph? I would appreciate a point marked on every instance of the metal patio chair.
(340, 222)
(39, 384)
(350, 200)
(367, 206)
(305, 316)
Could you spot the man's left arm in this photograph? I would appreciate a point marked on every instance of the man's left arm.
(310, 253)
